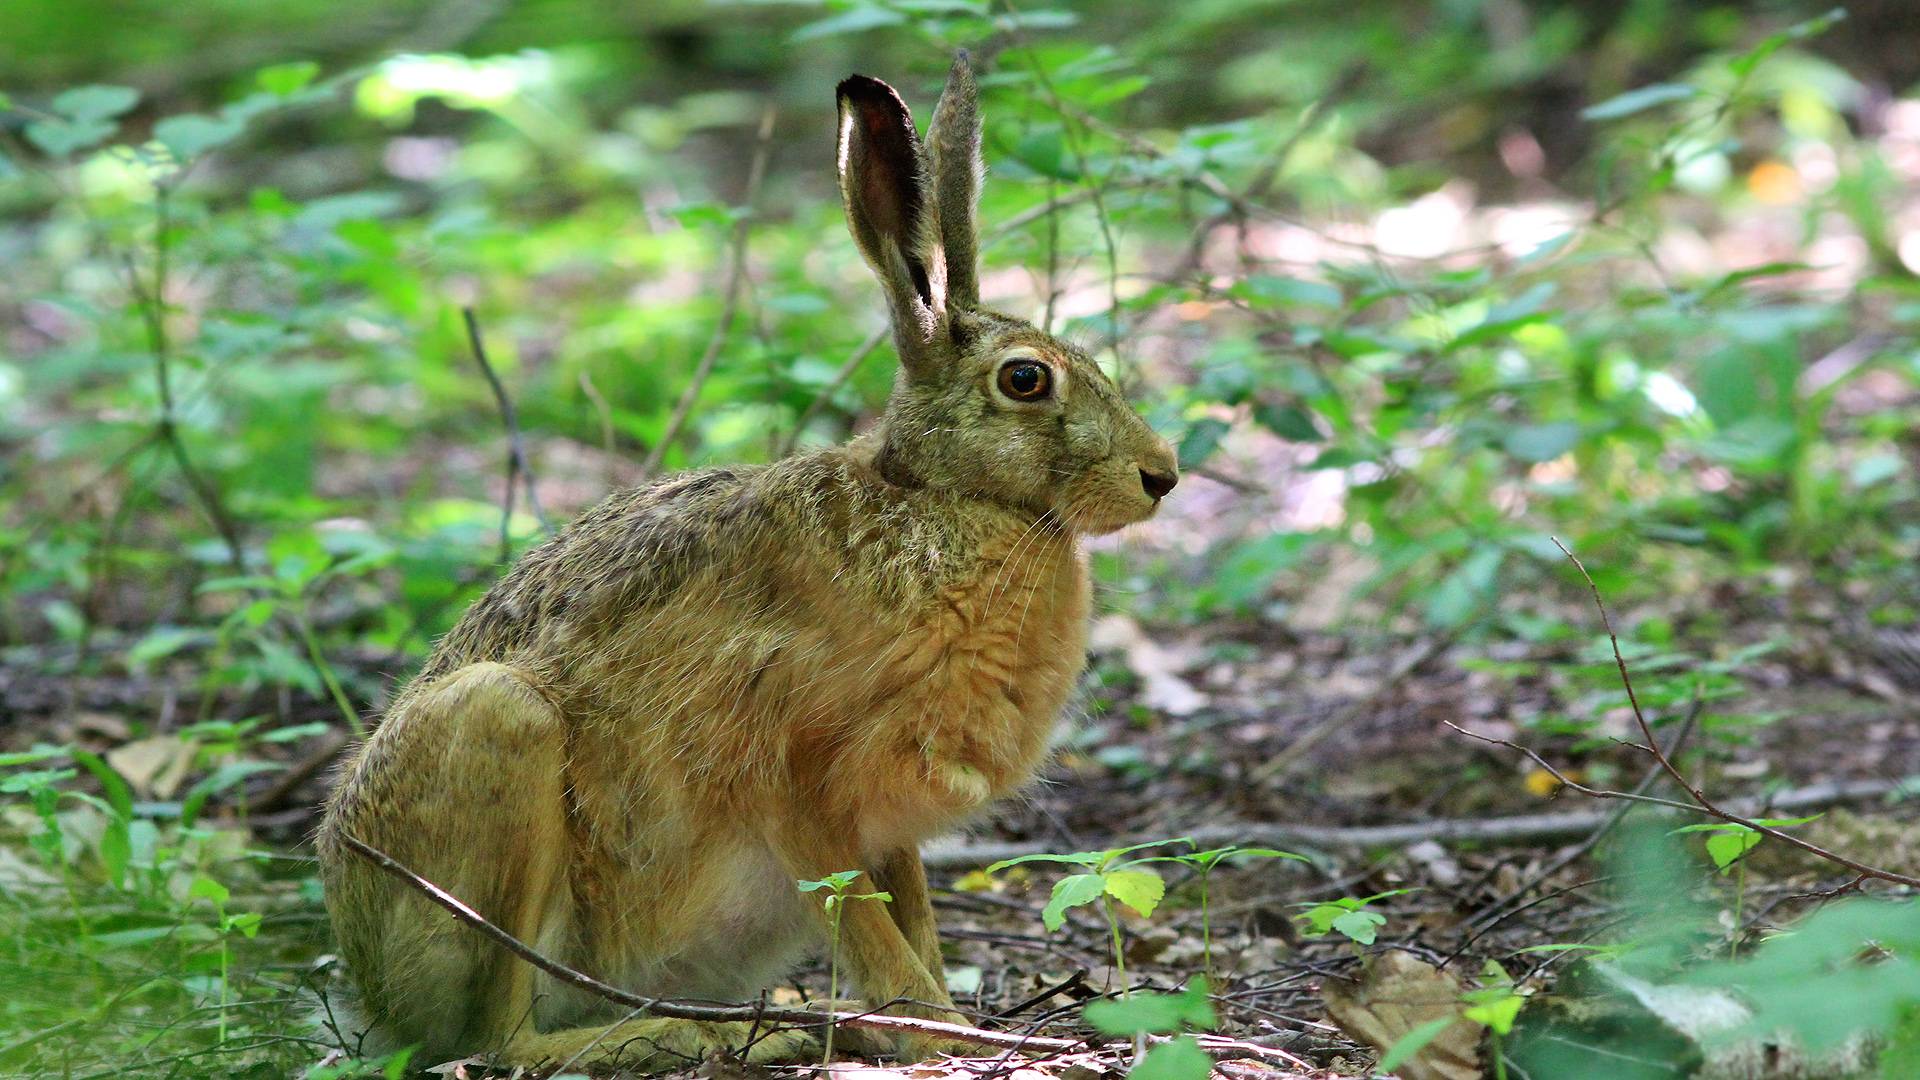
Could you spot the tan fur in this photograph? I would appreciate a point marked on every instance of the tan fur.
(706, 688)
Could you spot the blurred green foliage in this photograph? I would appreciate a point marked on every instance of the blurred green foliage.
(1478, 272)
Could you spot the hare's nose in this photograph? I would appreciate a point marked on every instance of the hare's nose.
(1157, 484)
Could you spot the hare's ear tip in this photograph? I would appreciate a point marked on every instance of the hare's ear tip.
(858, 88)
(962, 58)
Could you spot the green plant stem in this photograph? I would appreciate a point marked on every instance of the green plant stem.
(1119, 957)
(1739, 904)
(1206, 924)
(334, 689)
(833, 975)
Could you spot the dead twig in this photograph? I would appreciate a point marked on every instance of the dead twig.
(802, 1018)
(1521, 828)
(729, 304)
(852, 364)
(519, 469)
(1493, 913)
(154, 314)
(1700, 802)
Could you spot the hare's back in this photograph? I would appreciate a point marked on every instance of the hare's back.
(624, 560)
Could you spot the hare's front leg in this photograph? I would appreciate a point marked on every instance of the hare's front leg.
(873, 946)
(903, 874)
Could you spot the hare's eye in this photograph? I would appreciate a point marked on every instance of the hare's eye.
(1025, 380)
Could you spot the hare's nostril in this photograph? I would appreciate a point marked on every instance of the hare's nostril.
(1157, 484)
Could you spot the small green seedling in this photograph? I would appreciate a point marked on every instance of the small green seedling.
(1204, 862)
(247, 923)
(837, 886)
(1494, 1006)
(1107, 877)
(1727, 845)
(1140, 1015)
(1347, 916)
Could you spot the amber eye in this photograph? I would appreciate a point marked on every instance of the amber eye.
(1025, 380)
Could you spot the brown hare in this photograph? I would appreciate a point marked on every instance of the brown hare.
(710, 686)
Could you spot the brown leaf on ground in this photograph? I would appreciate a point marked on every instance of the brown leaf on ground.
(1400, 993)
(156, 766)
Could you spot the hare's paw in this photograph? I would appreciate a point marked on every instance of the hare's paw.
(926, 1047)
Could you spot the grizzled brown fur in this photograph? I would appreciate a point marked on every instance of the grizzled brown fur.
(708, 687)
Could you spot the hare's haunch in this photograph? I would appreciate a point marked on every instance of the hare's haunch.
(627, 752)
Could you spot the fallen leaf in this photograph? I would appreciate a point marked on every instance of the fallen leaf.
(156, 766)
(1399, 994)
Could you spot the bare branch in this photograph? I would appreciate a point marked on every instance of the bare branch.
(1497, 830)
(859, 354)
(519, 469)
(736, 279)
(803, 1018)
(154, 314)
(1701, 804)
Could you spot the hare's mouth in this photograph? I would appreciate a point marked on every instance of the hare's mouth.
(1099, 516)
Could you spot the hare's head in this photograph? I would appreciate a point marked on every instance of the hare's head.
(985, 404)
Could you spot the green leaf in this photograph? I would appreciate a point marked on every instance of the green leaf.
(62, 138)
(1140, 890)
(95, 102)
(1360, 926)
(1177, 1059)
(1406, 1046)
(205, 888)
(848, 22)
(1073, 891)
(1288, 292)
(1497, 1014)
(247, 922)
(1290, 422)
(284, 80)
(837, 882)
(190, 135)
(116, 850)
(1045, 152)
(1633, 101)
(1743, 65)
(1542, 442)
(1726, 848)
(119, 795)
(1078, 858)
(1158, 1014)
(1201, 440)
(160, 643)
(219, 780)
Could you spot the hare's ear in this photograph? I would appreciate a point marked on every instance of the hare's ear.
(883, 180)
(953, 136)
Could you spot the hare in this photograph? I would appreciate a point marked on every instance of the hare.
(705, 688)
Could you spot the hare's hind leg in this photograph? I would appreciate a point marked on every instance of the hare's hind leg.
(462, 783)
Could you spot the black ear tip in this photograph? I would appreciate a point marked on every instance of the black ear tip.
(962, 57)
(862, 89)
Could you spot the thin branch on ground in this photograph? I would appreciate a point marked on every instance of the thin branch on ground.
(1521, 828)
(800, 1018)
(1700, 802)
(1491, 914)
(852, 364)
(519, 469)
(729, 304)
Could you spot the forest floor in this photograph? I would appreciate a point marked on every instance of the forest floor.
(1340, 749)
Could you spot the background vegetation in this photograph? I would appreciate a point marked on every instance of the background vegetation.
(1414, 287)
